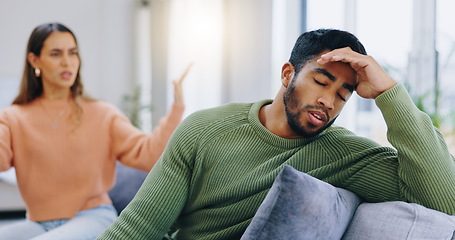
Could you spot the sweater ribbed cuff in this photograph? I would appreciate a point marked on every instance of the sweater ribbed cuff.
(395, 103)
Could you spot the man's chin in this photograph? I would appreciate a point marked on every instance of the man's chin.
(312, 131)
(308, 129)
(308, 133)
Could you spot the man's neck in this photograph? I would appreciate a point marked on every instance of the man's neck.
(273, 118)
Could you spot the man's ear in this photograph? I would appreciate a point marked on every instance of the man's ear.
(33, 60)
(287, 73)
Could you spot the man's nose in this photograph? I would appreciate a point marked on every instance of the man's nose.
(327, 101)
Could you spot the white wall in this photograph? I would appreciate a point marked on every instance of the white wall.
(103, 29)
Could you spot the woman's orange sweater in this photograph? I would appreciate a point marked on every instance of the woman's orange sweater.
(62, 168)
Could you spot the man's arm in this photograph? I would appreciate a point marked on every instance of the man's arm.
(162, 196)
(426, 169)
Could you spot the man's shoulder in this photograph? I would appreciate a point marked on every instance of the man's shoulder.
(234, 106)
(217, 119)
(223, 111)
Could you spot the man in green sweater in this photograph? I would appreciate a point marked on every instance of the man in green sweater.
(220, 163)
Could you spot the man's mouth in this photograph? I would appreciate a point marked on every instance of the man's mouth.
(317, 117)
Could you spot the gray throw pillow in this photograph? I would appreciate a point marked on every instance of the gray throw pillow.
(299, 206)
(399, 221)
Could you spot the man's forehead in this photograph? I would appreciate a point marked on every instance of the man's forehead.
(325, 72)
(334, 71)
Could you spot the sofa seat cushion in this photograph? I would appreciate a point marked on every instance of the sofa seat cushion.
(399, 221)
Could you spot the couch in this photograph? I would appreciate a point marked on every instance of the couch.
(11, 200)
(299, 206)
(127, 183)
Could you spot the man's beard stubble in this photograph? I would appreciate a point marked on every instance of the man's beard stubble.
(293, 117)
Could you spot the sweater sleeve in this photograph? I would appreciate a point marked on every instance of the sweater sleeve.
(419, 169)
(426, 167)
(6, 152)
(163, 195)
(137, 149)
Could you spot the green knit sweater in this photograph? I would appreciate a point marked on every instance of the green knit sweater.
(220, 164)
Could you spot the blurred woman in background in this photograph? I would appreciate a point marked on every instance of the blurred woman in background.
(64, 145)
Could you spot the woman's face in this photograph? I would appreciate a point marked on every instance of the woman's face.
(59, 62)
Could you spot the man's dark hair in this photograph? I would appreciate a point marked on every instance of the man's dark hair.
(311, 43)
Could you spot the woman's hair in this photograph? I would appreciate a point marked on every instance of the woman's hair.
(31, 86)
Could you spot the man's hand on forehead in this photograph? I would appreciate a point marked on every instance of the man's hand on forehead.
(372, 78)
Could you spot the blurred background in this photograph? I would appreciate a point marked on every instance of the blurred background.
(131, 50)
